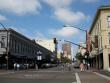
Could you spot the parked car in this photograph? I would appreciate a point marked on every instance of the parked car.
(46, 65)
(22, 66)
(76, 64)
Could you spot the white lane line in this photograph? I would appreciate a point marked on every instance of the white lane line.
(75, 75)
(106, 77)
(73, 82)
(77, 78)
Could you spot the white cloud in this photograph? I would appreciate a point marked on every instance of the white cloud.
(64, 32)
(90, 1)
(69, 17)
(63, 13)
(2, 18)
(20, 7)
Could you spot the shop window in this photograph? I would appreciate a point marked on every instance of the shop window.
(2, 42)
(96, 41)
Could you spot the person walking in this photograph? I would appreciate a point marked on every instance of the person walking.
(15, 66)
(81, 66)
(36, 66)
(18, 67)
(62, 67)
(27, 66)
(69, 67)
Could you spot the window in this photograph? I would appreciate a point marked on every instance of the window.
(96, 41)
(109, 37)
(2, 42)
(101, 42)
(108, 21)
(109, 60)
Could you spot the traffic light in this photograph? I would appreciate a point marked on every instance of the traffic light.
(54, 40)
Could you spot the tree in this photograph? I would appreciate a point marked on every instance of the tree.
(65, 60)
(79, 56)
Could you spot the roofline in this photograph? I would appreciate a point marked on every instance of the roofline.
(12, 30)
(106, 7)
(16, 32)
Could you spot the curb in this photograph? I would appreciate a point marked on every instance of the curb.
(104, 76)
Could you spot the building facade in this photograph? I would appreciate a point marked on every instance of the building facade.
(100, 39)
(16, 48)
(50, 45)
(66, 48)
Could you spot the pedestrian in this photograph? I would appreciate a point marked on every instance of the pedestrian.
(27, 65)
(36, 67)
(18, 66)
(14, 66)
(81, 66)
(62, 67)
(88, 66)
(68, 65)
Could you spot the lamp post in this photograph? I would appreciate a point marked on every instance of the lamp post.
(81, 30)
(56, 43)
(86, 40)
(7, 44)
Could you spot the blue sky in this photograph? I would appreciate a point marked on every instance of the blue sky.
(44, 19)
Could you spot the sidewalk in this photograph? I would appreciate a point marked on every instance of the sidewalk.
(90, 77)
(103, 72)
(94, 75)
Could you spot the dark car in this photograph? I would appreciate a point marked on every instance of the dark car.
(46, 65)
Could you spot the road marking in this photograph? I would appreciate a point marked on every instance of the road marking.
(106, 77)
(48, 71)
(73, 82)
(77, 78)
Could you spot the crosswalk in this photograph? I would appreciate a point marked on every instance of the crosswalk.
(7, 72)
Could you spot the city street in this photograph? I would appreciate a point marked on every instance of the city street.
(51, 75)
(54, 41)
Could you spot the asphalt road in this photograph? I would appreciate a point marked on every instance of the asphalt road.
(51, 75)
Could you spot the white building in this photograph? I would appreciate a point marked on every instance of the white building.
(49, 44)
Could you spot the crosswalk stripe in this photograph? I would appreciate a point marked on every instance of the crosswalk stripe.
(77, 78)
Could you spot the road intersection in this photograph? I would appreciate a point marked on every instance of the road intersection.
(51, 75)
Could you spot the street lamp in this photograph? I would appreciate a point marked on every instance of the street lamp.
(39, 57)
(86, 40)
(81, 30)
(7, 49)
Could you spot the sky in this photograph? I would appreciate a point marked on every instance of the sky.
(45, 19)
